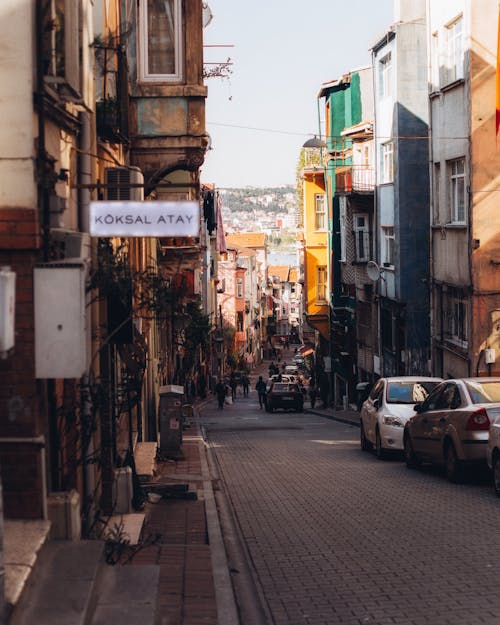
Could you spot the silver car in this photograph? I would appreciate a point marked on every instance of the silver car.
(388, 407)
(451, 427)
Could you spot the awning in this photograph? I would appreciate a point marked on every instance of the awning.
(321, 323)
(306, 351)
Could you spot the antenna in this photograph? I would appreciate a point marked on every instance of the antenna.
(374, 271)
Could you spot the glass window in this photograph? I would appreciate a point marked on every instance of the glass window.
(160, 35)
(320, 211)
(386, 162)
(385, 76)
(362, 237)
(437, 191)
(456, 169)
(484, 392)
(388, 245)
(457, 316)
(454, 53)
(239, 287)
(321, 284)
(409, 392)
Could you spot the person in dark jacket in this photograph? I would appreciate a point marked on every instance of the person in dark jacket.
(220, 391)
(260, 387)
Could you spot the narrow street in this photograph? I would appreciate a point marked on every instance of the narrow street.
(336, 536)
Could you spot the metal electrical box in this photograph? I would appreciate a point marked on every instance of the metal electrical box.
(171, 400)
(7, 309)
(60, 320)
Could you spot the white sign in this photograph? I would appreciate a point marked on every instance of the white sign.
(144, 219)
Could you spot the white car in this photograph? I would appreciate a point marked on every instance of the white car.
(388, 407)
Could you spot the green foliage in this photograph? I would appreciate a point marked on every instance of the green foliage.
(307, 158)
(249, 199)
(198, 327)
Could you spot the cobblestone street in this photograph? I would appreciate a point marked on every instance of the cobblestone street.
(338, 537)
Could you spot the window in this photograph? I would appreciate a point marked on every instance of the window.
(388, 246)
(361, 237)
(61, 44)
(457, 316)
(437, 191)
(456, 170)
(454, 54)
(386, 162)
(321, 284)
(320, 211)
(160, 40)
(342, 218)
(240, 322)
(239, 287)
(385, 76)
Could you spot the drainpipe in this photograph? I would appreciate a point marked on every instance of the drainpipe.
(84, 172)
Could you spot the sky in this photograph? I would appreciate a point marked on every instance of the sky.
(283, 50)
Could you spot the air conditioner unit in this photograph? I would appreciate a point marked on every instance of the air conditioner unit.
(76, 244)
(120, 183)
(64, 514)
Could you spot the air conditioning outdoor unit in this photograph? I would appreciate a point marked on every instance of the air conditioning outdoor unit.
(120, 183)
(76, 244)
(64, 514)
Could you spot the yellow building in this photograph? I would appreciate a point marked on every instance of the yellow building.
(316, 250)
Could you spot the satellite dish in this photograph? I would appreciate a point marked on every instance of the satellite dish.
(373, 270)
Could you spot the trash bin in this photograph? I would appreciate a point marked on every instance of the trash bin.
(170, 422)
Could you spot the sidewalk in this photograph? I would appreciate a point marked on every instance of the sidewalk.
(182, 536)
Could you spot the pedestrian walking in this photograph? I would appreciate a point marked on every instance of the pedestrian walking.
(260, 387)
(234, 385)
(220, 391)
(245, 382)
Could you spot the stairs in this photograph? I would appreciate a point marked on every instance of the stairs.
(72, 585)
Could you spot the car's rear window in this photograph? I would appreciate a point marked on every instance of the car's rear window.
(408, 392)
(279, 386)
(484, 392)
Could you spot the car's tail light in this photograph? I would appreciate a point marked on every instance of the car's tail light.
(478, 420)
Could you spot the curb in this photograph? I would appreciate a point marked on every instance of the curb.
(334, 417)
(227, 611)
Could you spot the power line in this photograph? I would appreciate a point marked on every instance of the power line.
(338, 137)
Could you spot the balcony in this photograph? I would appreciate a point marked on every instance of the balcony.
(354, 179)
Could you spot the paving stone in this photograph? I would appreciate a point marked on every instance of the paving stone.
(345, 539)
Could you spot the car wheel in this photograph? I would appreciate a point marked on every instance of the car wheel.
(412, 462)
(496, 473)
(452, 465)
(364, 442)
(379, 450)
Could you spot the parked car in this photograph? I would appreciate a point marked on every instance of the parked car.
(493, 447)
(284, 395)
(280, 377)
(451, 427)
(388, 407)
(291, 369)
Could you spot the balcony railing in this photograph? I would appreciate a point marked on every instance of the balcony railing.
(357, 178)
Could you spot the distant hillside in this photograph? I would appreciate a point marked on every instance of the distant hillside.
(270, 199)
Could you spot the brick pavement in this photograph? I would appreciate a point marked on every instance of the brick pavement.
(178, 528)
(337, 537)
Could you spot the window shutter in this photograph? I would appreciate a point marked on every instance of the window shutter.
(72, 44)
